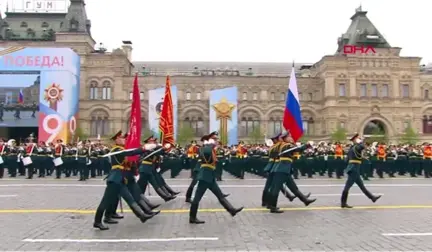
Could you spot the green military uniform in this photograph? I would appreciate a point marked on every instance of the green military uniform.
(221, 160)
(207, 180)
(353, 171)
(283, 171)
(116, 187)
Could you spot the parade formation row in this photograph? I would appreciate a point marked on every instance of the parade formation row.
(84, 159)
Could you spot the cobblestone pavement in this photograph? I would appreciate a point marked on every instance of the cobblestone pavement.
(57, 215)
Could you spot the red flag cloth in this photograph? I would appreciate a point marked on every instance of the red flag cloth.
(134, 135)
(166, 121)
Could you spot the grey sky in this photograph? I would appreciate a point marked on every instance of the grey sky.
(252, 30)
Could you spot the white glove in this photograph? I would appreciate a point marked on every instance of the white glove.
(211, 141)
(167, 146)
(149, 146)
(310, 143)
(358, 140)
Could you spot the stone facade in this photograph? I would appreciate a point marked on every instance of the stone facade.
(354, 91)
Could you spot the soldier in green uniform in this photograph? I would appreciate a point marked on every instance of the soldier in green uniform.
(207, 179)
(116, 184)
(353, 171)
(273, 159)
(283, 173)
(147, 169)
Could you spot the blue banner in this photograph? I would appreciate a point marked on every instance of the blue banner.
(156, 97)
(224, 113)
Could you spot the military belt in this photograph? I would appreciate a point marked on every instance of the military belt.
(427, 158)
(355, 162)
(219, 156)
(265, 156)
(117, 167)
(146, 162)
(271, 159)
(210, 166)
(286, 159)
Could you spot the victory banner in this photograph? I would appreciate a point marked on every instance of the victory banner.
(224, 114)
(41, 85)
(156, 100)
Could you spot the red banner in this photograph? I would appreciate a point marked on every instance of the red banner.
(166, 121)
(134, 137)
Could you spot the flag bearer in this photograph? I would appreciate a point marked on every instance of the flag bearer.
(116, 184)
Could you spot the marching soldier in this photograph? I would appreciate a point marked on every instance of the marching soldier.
(27, 160)
(192, 154)
(116, 184)
(207, 179)
(283, 173)
(12, 158)
(146, 167)
(273, 161)
(58, 161)
(353, 171)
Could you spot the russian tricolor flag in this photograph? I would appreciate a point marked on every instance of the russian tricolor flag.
(20, 97)
(292, 120)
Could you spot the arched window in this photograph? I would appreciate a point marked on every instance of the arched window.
(73, 25)
(250, 122)
(426, 94)
(45, 25)
(427, 123)
(106, 90)
(24, 25)
(375, 128)
(196, 123)
(274, 125)
(94, 90)
(99, 124)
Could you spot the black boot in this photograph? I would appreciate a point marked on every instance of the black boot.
(116, 216)
(272, 205)
(170, 190)
(225, 195)
(164, 195)
(375, 198)
(264, 199)
(98, 220)
(109, 220)
(227, 205)
(287, 194)
(147, 209)
(305, 198)
(147, 201)
(139, 213)
(192, 215)
(344, 199)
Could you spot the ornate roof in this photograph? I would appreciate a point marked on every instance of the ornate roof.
(362, 32)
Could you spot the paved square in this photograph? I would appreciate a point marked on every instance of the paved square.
(57, 215)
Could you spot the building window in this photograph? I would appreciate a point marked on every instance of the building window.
(130, 95)
(363, 90)
(198, 96)
(300, 96)
(141, 96)
(342, 91)
(255, 96)
(106, 91)
(24, 25)
(283, 96)
(45, 25)
(249, 125)
(188, 96)
(274, 126)
(342, 125)
(196, 124)
(306, 127)
(310, 96)
(244, 96)
(272, 96)
(385, 90)
(93, 90)
(427, 124)
(99, 123)
(426, 94)
(374, 90)
(405, 91)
